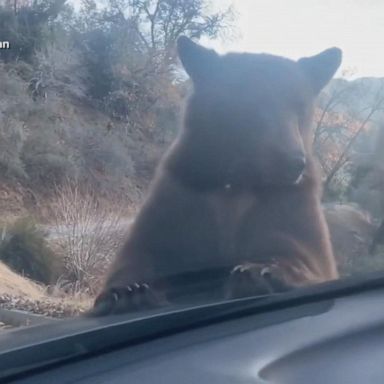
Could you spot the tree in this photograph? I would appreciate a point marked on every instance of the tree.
(341, 120)
(158, 23)
(129, 49)
(23, 23)
(370, 175)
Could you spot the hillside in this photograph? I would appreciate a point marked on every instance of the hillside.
(65, 136)
(89, 100)
(15, 285)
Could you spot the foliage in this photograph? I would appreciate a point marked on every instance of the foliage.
(115, 57)
(25, 250)
(13, 106)
(88, 234)
(341, 130)
(25, 26)
(12, 135)
(129, 50)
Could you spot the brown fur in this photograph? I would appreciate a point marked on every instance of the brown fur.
(225, 193)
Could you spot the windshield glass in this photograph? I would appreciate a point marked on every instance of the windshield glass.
(163, 154)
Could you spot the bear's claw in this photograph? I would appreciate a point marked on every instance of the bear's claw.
(129, 298)
(252, 279)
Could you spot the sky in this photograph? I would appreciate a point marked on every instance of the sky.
(296, 28)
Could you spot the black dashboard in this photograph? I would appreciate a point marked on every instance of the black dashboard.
(331, 341)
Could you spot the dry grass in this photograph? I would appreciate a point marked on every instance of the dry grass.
(18, 292)
(88, 235)
(13, 284)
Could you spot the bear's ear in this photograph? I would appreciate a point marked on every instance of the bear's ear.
(199, 62)
(321, 68)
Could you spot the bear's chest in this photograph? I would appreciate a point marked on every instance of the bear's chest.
(234, 216)
(247, 226)
(230, 209)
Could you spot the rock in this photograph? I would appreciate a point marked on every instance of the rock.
(352, 230)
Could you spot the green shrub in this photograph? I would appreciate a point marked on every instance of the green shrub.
(24, 250)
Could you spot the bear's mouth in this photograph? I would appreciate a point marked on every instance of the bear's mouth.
(299, 179)
(247, 177)
(244, 174)
(293, 179)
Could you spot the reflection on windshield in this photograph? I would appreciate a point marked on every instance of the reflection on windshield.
(141, 169)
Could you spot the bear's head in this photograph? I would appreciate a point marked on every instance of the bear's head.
(248, 120)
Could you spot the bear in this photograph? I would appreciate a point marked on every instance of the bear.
(235, 205)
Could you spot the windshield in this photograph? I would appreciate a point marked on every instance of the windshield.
(164, 154)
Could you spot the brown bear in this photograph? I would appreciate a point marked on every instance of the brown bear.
(236, 199)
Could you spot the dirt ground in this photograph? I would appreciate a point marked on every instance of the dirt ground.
(17, 292)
